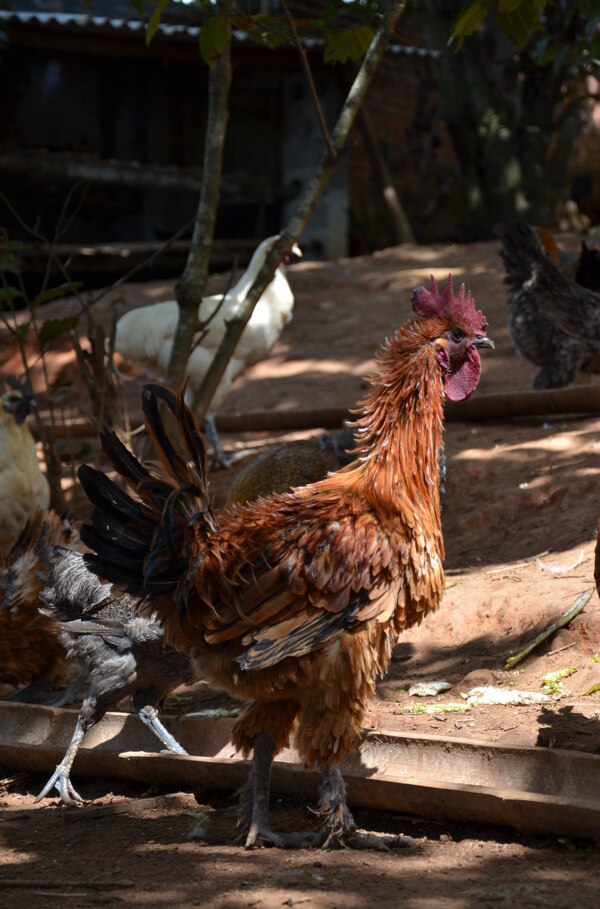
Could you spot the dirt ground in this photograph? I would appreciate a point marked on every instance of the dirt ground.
(519, 518)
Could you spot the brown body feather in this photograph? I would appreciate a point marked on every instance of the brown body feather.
(30, 647)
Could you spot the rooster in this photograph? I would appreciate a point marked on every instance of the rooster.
(120, 653)
(23, 486)
(31, 650)
(550, 312)
(147, 334)
(295, 601)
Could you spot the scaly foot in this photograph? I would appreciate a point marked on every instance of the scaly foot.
(60, 779)
(339, 827)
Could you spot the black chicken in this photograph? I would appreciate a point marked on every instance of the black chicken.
(121, 652)
(550, 313)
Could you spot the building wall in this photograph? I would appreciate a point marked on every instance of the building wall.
(147, 110)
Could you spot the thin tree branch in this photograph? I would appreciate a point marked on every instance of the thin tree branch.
(311, 85)
(20, 221)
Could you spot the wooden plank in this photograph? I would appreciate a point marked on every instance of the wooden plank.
(537, 790)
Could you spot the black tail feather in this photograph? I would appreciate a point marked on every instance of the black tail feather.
(105, 568)
(105, 546)
(110, 499)
(149, 543)
(192, 437)
(155, 427)
(188, 425)
(121, 458)
(120, 532)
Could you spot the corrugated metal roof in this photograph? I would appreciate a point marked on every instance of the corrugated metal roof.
(89, 24)
(94, 23)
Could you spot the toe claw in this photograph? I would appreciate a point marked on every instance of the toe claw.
(268, 837)
(300, 840)
(378, 843)
(63, 785)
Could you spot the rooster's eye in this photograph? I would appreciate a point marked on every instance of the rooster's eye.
(457, 335)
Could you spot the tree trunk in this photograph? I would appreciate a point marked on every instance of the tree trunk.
(190, 287)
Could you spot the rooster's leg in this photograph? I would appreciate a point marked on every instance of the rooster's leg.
(210, 428)
(149, 716)
(61, 776)
(339, 827)
(258, 785)
(260, 778)
(334, 808)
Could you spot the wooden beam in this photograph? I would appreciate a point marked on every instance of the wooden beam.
(537, 790)
(580, 399)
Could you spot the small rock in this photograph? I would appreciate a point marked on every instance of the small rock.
(591, 625)
(478, 678)
(391, 691)
(564, 637)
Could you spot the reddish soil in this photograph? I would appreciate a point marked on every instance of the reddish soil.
(520, 500)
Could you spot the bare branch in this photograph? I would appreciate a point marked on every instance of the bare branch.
(304, 60)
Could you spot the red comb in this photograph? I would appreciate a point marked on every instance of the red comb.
(431, 303)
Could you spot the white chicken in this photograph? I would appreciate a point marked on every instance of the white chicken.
(23, 486)
(146, 334)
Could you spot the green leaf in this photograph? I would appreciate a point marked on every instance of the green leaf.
(469, 20)
(351, 44)
(508, 6)
(53, 293)
(138, 6)
(521, 21)
(265, 30)
(273, 32)
(214, 38)
(7, 296)
(593, 689)
(155, 20)
(54, 328)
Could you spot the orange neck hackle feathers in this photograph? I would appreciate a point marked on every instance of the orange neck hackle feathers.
(399, 424)
(399, 427)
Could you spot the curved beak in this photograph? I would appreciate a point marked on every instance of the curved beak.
(484, 342)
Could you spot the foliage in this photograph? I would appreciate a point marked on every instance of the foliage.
(518, 19)
(564, 33)
(514, 94)
(345, 29)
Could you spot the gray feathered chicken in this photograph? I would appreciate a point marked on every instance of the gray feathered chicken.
(121, 653)
(554, 321)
